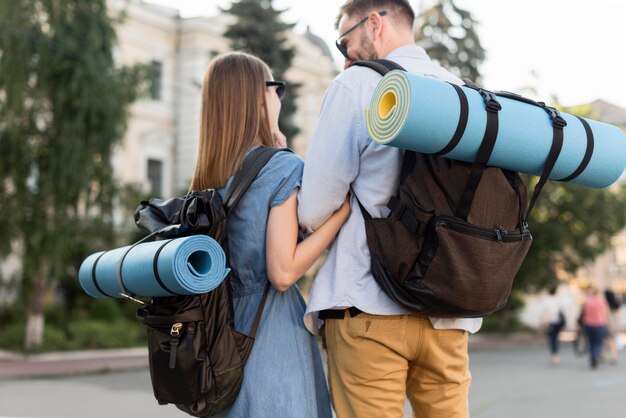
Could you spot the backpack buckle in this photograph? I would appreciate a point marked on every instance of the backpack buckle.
(557, 119)
(491, 101)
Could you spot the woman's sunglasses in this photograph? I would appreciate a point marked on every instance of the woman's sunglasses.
(281, 86)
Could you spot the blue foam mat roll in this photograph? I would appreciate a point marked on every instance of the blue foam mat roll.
(421, 114)
(185, 266)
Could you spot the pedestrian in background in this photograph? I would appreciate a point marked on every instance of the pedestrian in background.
(612, 336)
(552, 322)
(595, 319)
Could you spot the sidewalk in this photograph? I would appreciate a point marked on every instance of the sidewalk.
(13, 365)
(489, 341)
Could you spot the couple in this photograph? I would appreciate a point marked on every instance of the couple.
(378, 353)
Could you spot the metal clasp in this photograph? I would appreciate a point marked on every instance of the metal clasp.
(175, 331)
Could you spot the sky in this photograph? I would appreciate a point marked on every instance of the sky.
(570, 49)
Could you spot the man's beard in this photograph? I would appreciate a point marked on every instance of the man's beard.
(367, 48)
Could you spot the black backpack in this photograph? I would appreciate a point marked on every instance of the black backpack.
(196, 356)
(457, 233)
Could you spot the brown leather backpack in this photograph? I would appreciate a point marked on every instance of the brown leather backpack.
(457, 233)
(196, 356)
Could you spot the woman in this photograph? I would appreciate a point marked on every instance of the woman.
(240, 106)
(553, 322)
(595, 319)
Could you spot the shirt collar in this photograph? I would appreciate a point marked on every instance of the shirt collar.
(408, 51)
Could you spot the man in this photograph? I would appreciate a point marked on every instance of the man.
(377, 351)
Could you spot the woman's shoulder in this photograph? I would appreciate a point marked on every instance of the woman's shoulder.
(281, 176)
(285, 162)
(287, 157)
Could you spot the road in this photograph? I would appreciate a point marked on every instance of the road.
(517, 382)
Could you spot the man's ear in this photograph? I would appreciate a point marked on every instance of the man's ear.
(376, 24)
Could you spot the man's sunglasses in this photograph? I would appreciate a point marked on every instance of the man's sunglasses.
(338, 43)
(281, 86)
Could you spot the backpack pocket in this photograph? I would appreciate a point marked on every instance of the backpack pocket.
(470, 266)
(179, 363)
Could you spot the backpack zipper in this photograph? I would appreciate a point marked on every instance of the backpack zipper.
(174, 340)
(492, 234)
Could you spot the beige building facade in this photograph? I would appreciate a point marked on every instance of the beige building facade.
(159, 150)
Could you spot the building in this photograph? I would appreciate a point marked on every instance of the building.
(159, 150)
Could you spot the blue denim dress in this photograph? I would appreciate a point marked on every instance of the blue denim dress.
(284, 376)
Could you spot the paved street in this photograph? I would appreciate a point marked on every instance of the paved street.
(508, 382)
(521, 383)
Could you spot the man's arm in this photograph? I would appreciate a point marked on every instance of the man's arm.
(332, 159)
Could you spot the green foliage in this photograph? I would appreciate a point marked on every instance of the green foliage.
(106, 334)
(94, 324)
(448, 33)
(63, 107)
(78, 335)
(571, 225)
(506, 320)
(260, 30)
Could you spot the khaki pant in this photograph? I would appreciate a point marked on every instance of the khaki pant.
(374, 360)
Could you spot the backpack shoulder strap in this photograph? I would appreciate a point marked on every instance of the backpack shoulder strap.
(259, 312)
(252, 165)
(381, 66)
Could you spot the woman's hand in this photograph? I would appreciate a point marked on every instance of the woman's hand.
(287, 259)
(344, 211)
(279, 139)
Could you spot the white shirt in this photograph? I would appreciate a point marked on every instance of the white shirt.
(343, 157)
(550, 310)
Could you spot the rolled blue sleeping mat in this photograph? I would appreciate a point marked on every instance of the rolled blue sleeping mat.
(421, 114)
(181, 266)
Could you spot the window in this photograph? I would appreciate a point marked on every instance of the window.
(156, 74)
(155, 177)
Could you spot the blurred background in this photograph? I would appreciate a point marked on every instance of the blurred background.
(99, 106)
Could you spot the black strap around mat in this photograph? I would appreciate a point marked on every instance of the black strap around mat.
(484, 153)
(588, 153)
(460, 128)
(155, 270)
(93, 275)
(558, 123)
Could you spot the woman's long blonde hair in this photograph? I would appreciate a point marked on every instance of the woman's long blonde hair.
(234, 114)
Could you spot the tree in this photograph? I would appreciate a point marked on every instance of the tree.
(448, 34)
(571, 225)
(63, 106)
(259, 30)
